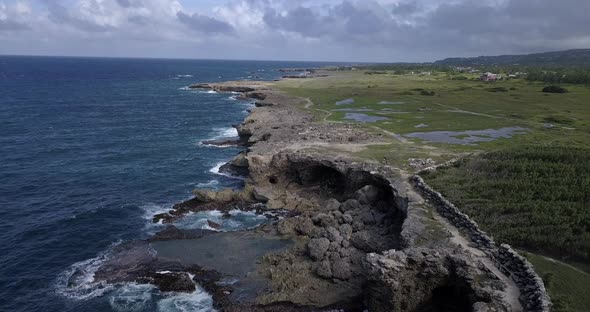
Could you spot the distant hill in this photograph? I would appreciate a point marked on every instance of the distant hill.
(579, 57)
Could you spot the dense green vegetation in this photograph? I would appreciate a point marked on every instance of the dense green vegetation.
(554, 89)
(569, 58)
(559, 75)
(568, 286)
(535, 197)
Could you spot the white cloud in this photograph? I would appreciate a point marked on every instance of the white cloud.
(371, 30)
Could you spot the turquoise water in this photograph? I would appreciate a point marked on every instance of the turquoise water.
(90, 150)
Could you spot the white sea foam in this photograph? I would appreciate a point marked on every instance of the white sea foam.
(229, 132)
(239, 220)
(216, 169)
(149, 211)
(211, 92)
(209, 184)
(132, 297)
(184, 76)
(185, 88)
(77, 282)
(198, 301)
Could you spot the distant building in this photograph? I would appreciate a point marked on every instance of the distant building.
(490, 77)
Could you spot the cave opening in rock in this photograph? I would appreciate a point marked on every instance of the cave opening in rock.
(449, 298)
(330, 181)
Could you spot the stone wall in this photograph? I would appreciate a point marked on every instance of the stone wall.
(534, 296)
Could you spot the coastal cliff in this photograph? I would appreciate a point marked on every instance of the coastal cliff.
(354, 235)
(364, 238)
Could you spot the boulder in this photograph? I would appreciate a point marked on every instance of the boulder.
(345, 231)
(334, 235)
(341, 269)
(324, 270)
(349, 205)
(213, 225)
(332, 204)
(174, 282)
(304, 226)
(317, 248)
(347, 218)
(322, 219)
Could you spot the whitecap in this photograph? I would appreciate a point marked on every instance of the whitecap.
(198, 301)
(216, 170)
(77, 282)
(209, 184)
(184, 76)
(149, 211)
(212, 92)
(239, 220)
(228, 132)
(132, 297)
(185, 88)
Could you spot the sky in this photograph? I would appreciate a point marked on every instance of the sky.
(320, 30)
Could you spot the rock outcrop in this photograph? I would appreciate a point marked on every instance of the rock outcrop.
(424, 279)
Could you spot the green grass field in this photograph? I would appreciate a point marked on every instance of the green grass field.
(568, 286)
(457, 105)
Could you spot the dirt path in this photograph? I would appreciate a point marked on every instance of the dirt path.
(511, 294)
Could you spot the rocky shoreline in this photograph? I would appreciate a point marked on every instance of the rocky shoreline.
(359, 236)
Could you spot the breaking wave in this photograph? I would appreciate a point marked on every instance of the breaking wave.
(77, 282)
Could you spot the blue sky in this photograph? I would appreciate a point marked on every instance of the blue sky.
(334, 30)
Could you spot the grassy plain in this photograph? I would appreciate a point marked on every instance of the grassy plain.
(568, 286)
(531, 190)
(457, 105)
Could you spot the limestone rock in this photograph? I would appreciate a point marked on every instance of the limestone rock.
(317, 248)
(345, 231)
(332, 204)
(341, 269)
(305, 226)
(351, 204)
(324, 270)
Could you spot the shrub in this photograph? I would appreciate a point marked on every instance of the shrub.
(427, 93)
(554, 89)
(375, 72)
(498, 89)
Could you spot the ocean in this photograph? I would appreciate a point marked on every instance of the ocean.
(90, 150)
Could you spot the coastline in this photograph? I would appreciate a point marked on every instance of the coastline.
(359, 235)
(278, 133)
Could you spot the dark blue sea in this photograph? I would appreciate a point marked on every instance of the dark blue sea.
(90, 150)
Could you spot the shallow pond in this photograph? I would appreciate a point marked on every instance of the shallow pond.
(345, 102)
(361, 109)
(468, 137)
(363, 117)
